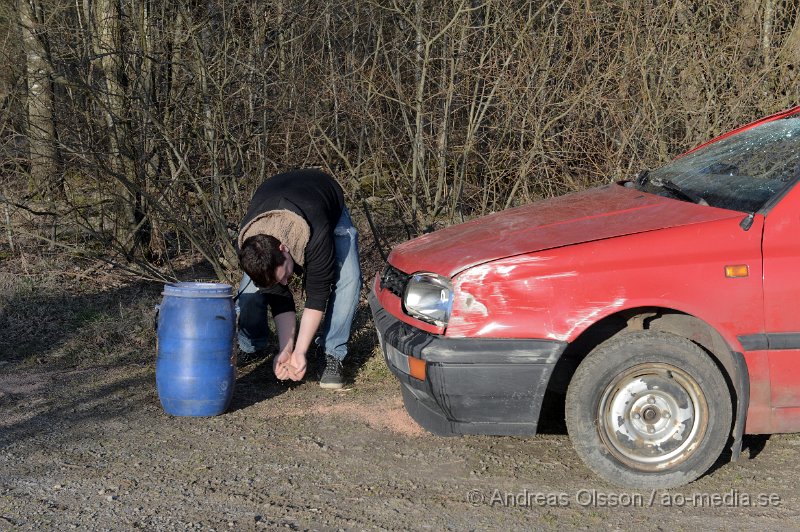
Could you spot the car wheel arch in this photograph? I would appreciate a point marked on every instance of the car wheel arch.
(649, 409)
(730, 362)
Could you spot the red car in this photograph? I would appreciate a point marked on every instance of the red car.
(664, 307)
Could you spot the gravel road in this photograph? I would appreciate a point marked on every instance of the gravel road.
(91, 447)
(84, 443)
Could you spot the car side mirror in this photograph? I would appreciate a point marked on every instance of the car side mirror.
(747, 221)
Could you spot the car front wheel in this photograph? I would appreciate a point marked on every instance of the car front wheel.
(648, 410)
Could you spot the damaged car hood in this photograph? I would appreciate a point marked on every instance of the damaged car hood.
(594, 214)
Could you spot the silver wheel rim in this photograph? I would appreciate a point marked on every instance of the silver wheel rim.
(652, 416)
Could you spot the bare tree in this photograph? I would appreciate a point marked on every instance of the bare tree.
(170, 114)
(40, 128)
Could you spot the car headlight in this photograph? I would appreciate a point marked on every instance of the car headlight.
(429, 297)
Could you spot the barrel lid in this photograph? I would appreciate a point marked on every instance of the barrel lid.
(196, 289)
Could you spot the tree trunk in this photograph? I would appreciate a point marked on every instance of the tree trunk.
(788, 63)
(747, 31)
(147, 74)
(40, 128)
(766, 31)
(107, 47)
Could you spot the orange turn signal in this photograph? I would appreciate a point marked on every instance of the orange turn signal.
(737, 270)
(416, 368)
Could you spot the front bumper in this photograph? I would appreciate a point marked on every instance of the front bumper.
(472, 385)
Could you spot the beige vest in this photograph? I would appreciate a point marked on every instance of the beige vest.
(291, 229)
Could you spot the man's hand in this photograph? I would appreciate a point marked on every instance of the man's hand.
(286, 365)
(289, 365)
(280, 365)
(291, 362)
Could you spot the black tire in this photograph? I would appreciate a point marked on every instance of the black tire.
(666, 401)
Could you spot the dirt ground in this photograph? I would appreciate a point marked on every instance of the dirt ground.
(84, 443)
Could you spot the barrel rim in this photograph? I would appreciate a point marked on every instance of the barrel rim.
(198, 289)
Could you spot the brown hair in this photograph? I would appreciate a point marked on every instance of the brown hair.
(259, 256)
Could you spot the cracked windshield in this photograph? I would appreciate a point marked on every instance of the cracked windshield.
(741, 173)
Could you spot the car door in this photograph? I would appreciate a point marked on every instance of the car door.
(781, 256)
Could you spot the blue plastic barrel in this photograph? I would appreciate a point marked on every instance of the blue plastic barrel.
(195, 372)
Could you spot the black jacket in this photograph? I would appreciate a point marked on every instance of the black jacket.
(318, 198)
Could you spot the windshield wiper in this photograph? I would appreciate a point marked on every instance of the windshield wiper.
(675, 189)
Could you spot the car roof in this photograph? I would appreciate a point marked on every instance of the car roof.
(777, 116)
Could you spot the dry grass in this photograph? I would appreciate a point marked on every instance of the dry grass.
(53, 315)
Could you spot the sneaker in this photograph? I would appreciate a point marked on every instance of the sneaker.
(331, 376)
